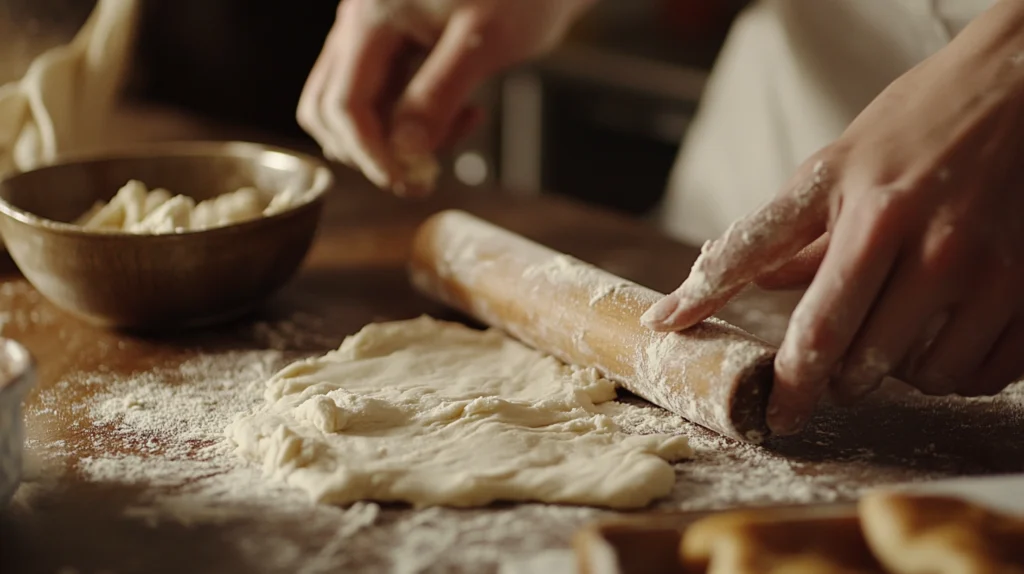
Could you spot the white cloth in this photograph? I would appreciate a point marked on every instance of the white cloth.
(68, 92)
(791, 76)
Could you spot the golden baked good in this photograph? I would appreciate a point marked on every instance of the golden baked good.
(917, 534)
(775, 541)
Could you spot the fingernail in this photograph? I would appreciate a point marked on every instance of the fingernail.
(410, 138)
(658, 313)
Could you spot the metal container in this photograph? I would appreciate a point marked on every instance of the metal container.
(17, 374)
(169, 281)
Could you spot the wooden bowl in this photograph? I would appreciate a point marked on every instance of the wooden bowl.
(160, 282)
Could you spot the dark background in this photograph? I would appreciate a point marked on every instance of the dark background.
(241, 61)
(604, 133)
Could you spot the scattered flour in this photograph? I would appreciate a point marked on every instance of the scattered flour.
(16, 316)
(160, 431)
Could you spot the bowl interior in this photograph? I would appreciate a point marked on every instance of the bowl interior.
(63, 192)
(161, 281)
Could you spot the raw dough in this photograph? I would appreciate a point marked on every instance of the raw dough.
(137, 210)
(920, 534)
(421, 171)
(775, 541)
(436, 413)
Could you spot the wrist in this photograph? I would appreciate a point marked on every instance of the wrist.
(991, 47)
(998, 30)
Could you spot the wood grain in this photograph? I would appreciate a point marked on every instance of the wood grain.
(715, 375)
(355, 274)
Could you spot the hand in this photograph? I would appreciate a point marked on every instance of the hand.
(909, 229)
(366, 107)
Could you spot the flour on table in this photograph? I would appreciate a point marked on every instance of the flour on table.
(435, 413)
(136, 209)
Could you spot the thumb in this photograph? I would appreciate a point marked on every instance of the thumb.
(442, 87)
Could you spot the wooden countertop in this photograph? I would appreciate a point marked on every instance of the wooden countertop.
(65, 520)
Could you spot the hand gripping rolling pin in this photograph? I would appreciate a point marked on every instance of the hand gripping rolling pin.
(714, 374)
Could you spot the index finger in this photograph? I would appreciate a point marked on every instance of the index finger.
(752, 246)
(366, 50)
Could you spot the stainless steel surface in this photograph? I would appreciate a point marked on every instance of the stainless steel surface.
(17, 374)
(160, 281)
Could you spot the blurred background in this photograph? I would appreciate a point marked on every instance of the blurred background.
(601, 119)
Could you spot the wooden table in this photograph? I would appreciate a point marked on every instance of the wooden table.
(69, 520)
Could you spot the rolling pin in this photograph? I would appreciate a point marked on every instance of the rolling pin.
(714, 374)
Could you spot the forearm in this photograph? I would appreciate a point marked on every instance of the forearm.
(992, 46)
(997, 34)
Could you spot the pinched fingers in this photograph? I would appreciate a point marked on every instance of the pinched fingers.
(757, 244)
(340, 103)
(436, 102)
(351, 100)
(860, 255)
(308, 111)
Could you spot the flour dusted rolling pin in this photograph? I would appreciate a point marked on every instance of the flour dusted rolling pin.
(715, 374)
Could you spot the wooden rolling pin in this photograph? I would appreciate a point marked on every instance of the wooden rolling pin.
(714, 374)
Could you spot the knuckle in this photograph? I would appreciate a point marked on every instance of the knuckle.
(807, 355)
(863, 372)
(940, 254)
(892, 202)
(812, 328)
(945, 245)
(341, 114)
(831, 155)
(305, 116)
(347, 107)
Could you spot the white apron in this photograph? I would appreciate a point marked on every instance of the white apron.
(791, 76)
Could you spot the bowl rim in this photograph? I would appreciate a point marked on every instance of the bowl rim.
(323, 180)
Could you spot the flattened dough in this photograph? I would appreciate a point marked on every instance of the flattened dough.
(435, 413)
(920, 534)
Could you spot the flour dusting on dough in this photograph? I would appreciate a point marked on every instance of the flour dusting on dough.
(438, 414)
